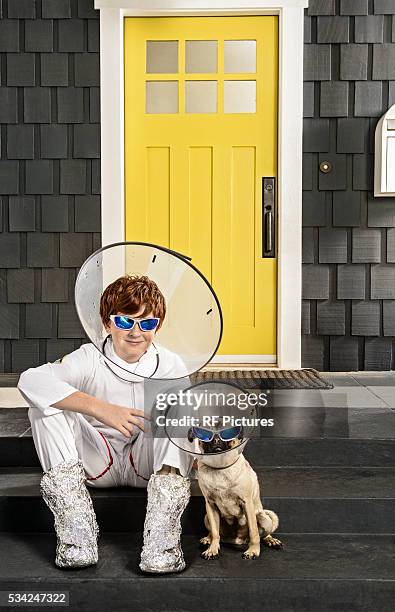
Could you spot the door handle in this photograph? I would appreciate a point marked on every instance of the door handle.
(268, 230)
(268, 217)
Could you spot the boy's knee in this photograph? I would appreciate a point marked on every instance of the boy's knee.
(45, 418)
(35, 413)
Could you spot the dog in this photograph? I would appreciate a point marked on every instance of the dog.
(234, 511)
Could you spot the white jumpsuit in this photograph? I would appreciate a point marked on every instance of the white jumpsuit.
(109, 458)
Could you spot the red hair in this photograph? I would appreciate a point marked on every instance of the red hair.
(128, 294)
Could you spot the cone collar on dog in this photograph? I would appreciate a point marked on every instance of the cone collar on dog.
(192, 329)
(212, 420)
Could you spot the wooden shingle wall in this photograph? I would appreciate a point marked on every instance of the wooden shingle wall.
(49, 173)
(348, 235)
(50, 180)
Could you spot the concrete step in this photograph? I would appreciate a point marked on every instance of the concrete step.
(314, 572)
(307, 500)
(345, 437)
(263, 452)
(340, 452)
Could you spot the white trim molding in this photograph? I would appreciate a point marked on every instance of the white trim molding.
(160, 8)
(290, 121)
(384, 154)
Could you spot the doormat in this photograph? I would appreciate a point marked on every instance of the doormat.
(308, 378)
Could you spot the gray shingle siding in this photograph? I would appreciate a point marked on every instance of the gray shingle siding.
(369, 29)
(343, 353)
(346, 209)
(331, 318)
(353, 7)
(378, 354)
(351, 282)
(50, 179)
(50, 190)
(321, 7)
(55, 9)
(39, 35)
(354, 62)
(20, 286)
(384, 7)
(350, 42)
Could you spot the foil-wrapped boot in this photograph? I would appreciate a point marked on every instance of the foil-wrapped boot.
(64, 491)
(168, 496)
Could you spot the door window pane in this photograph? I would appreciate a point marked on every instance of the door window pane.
(162, 56)
(239, 96)
(161, 97)
(239, 56)
(201, 56)
(200, 96)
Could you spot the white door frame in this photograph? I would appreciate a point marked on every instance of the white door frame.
(290, 121)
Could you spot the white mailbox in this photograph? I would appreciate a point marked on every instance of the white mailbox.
(384, 162)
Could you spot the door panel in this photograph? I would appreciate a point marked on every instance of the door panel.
(196, 147)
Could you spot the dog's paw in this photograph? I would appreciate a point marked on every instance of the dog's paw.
(206, 541)
(210, 553)
(251, 553)
(272, 542)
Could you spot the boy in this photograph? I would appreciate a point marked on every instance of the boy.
(87, 420)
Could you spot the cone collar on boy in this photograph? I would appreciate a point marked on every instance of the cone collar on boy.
(192, 328)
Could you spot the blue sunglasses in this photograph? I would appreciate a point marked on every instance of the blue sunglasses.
(206, 435)
(127, 323)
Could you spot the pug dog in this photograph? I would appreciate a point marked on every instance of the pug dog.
(234, 511)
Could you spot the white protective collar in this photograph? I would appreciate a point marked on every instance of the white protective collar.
(192, 333)
(145, 366)
(223, 460)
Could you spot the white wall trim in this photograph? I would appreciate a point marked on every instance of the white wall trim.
(384, 166)
(112, 126)
(158, 7)
(290, 121)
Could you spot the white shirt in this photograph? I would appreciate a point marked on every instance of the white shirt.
(88, 370)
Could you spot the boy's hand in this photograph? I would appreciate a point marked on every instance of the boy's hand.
(121, 418)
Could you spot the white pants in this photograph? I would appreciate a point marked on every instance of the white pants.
(61, 435)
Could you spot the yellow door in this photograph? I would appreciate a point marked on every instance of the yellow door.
(200, 133)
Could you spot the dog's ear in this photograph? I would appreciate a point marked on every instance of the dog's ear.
(191, 436)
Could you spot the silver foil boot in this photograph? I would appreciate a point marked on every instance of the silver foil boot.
(168, 496)
(64, 491)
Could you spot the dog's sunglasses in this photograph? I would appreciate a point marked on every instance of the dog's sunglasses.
(127, 323)
(206, 435)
